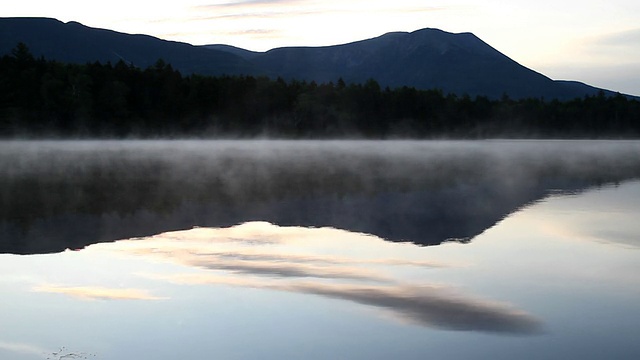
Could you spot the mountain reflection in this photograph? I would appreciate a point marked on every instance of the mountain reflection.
(57, 195)
(326, 262)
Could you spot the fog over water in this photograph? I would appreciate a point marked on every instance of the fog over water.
(67, 194)
(319, 249)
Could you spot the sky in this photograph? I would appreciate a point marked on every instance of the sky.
(597, 42)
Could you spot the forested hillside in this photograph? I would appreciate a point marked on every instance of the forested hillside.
(425, 59)
(43, 98)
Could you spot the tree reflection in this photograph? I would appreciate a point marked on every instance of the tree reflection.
(58, 195)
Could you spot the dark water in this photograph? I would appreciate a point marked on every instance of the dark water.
(358, 250)
(58, 195)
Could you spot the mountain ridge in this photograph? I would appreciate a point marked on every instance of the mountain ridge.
(74, 42)
(427, 58)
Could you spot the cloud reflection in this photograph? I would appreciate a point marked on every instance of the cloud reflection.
(431, 306)
(97, 293)
(425, 305)
(326, 262)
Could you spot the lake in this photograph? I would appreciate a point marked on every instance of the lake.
(319, 249)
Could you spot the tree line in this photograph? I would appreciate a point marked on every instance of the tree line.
(45, 98)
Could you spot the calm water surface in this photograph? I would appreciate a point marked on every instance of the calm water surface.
(320, 250)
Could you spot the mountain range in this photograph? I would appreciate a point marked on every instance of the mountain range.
(425, 59)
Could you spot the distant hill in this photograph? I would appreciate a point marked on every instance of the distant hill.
(73, 42)
(245, 54)
(424, 59)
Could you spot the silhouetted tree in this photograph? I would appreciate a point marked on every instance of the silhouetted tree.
(47, 98)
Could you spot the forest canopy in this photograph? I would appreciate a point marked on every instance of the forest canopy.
(43, 98)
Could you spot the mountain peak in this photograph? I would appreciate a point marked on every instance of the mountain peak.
(428, 58)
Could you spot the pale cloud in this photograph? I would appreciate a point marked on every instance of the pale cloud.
(304, 22)
(96, 292)
(626, 38)
(291, 9)
(599, 54)
(617, 48)
(260, 9)
(609, 60)
(257, 32)
(246, 3)
(256, 15)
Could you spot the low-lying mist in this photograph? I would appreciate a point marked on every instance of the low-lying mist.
(67, 194)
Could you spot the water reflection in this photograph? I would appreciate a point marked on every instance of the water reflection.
(238, 255)
(17, 350)
(560, 274)
(608, 216)
(58, 195)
